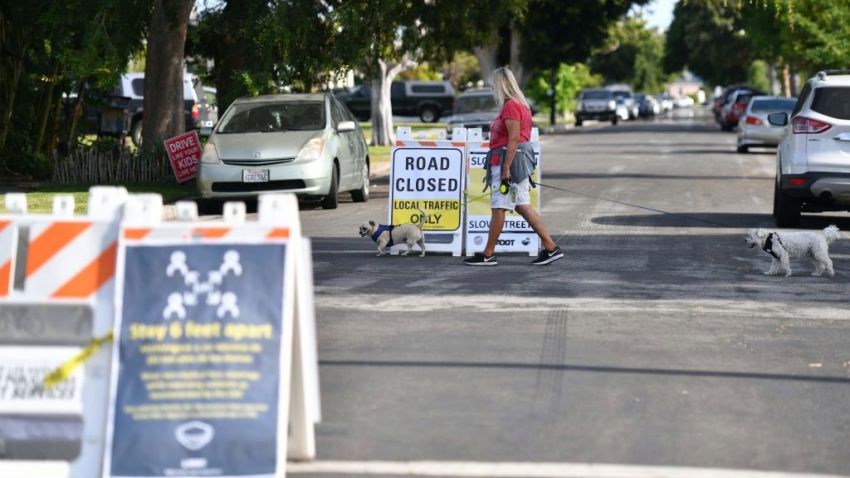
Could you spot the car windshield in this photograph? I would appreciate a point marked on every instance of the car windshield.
(774, 105)
(475, 104)
(622, 94)
(596, 95)
(274, 117)
(832, 101)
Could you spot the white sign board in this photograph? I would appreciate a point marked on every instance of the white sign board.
(429, 176)
(517, 235)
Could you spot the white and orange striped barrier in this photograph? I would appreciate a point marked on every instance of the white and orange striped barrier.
(429, 175)
(60, 270)
(75, 265)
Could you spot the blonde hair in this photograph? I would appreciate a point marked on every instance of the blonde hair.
(505, 87)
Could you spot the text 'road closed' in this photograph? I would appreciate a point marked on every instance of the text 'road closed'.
(430, 179)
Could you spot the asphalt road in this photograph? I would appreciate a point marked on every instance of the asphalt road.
(657, 341)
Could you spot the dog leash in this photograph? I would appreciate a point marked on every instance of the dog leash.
(468, 200)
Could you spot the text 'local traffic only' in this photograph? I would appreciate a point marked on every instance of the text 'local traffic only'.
(427, 179)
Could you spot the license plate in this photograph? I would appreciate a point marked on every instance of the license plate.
(255, 175)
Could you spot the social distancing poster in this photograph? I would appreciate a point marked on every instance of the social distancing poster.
(199, 361)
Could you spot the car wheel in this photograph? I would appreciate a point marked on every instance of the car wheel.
(786, 210)
(724, 126)
(362, 194)
(578, 122)
(136, 133)
(428, 114)
(743, 149)
(615, 120)
(331, 201)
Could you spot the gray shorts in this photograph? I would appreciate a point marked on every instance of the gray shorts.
(507, 201)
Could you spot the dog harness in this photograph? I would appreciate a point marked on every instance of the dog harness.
(768, 244)
(380, 230)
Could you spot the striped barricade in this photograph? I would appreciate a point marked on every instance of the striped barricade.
(429, 176)
(517, 235)
(215, 369)
(58, 296)
(8, 249)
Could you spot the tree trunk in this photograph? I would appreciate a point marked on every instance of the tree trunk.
(487, 60)
(76, 113)
(786, 81)
(521, 73)
(164, 114)
(382, 109)
(47, 108)
(795, 81)
(771, 77)
(6, 122)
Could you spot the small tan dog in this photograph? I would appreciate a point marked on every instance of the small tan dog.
(386, 236)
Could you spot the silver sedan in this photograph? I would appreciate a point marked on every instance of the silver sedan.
(306, 144)
(754, 129)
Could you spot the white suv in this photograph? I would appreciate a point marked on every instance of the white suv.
(813, 158)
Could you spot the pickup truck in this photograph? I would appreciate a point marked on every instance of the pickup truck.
(427, 99)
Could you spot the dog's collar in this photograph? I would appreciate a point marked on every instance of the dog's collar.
(768, 244)
(380, 230)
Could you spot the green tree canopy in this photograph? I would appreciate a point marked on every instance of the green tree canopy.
(708, 37)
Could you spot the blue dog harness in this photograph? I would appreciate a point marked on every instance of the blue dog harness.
(380, 230)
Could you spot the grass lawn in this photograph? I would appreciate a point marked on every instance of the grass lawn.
(41, 201)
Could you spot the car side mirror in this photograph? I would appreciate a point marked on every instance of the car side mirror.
(778, 119)
(345, 127)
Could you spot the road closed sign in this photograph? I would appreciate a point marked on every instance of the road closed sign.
(184, 153)
(429, 179)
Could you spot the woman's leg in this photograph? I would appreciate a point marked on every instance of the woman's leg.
(497, 222)
(535, 221)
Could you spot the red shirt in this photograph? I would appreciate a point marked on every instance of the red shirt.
(514, 110)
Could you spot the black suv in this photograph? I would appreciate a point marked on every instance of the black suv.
(427, 99)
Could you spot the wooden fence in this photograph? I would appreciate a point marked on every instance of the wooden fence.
(111, 166)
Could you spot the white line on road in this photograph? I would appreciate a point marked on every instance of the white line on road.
(528, 470)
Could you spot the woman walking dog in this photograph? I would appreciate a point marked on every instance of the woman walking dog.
(511, 152)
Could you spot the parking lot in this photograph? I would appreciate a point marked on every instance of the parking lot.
(656, 342)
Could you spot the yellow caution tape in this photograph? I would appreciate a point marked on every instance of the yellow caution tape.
(64, 371)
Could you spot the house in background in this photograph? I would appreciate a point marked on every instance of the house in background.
(687, 84)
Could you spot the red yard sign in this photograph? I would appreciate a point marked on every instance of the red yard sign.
(184, 152)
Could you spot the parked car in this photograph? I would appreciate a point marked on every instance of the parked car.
(647, 105)
(734, 109)
(813, 173)
(427, 99)
(475, 108)
(666, 103)
(683, 102)
(132, 85)
(754, 129)
(726, 113)
(599, 104)
(207, 109)
(625, 97)
(306, 144)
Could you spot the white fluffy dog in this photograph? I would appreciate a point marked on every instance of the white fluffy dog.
(783, 246)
